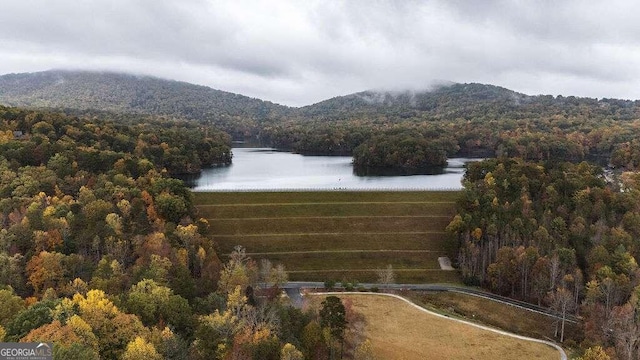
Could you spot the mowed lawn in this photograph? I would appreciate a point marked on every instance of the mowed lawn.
(398, 330)
(341, 236)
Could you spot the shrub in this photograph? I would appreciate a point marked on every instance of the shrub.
(329, 284)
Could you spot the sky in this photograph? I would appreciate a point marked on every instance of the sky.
(300, 52)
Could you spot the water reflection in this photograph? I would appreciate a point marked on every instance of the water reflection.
(269, 169)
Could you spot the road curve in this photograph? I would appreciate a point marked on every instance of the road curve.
(440, 287)
(563, 355)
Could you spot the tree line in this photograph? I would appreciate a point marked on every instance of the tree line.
(103, 253)
(98, 143)
(559, 234)
(377, 140)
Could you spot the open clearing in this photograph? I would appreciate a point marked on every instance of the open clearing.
(398, 330)
(494, 314)
(341, 236)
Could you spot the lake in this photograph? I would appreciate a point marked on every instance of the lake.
(270, 169)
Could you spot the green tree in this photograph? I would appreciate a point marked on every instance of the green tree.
(238, 271)
(140, 349)
(30, 318)
(113, 328)
(11, 306)
(157, 304)
(312, 342)
(289, 352)
(595, 353)
(333, 318)
(75, 351)
(364, 351)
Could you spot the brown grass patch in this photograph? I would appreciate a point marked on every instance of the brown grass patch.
(363, 241)
(495, 314)
(406, 276)
(321, 196)
(400, 331)
(389, 224)
(321, 236)
(324, 209)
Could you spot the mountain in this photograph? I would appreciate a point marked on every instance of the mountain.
(116, 92)
(244, 117)
(442, 96)
(465, 101)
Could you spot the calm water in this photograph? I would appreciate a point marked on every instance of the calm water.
(268, 169)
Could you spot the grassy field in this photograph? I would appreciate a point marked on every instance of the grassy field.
(326, 209)
(336, 224)
(337, 235)
(271, 197)
(398, 330)
(404, 276)
(495, 314)
(435, 241)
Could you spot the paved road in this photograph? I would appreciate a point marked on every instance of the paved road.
(293, 290)
(294, 296)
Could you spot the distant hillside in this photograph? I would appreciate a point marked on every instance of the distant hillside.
(80, 92)
(465, 101)
(123, 93)
(440, 99)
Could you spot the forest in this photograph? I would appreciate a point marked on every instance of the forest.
(559, 234)
(551, 217)
(94, 225)
(102, 252)
(463, 121)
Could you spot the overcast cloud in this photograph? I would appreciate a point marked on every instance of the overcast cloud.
(300, 52)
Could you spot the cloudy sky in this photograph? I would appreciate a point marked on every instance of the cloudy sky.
(302, 51)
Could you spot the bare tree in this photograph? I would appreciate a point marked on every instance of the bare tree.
(624, 324)
(608, 290)
(265, 270)
(239, 255)
(278, 275)
(386, 276)
(561, 300)
(554, 270)
(578, 287)
(260, 318)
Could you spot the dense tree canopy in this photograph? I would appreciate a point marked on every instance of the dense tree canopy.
(555, 233)
(101, 251)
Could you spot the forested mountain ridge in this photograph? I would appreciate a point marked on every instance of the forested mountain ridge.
(468, 101)
(123, 93)
(436, 100)
(434, 124)
(118, 92)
